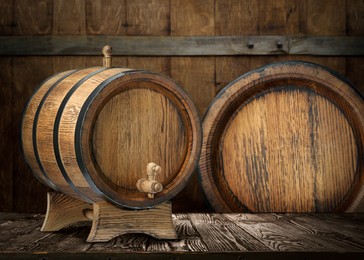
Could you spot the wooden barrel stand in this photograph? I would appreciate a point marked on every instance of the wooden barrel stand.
(108, 221)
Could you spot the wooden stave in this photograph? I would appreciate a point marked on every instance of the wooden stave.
(217, 111)
(93, 194)
(27, 127)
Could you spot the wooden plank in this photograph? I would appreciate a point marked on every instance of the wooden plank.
(196, 75)
(285, 235)
(331, 236)
(326, 17)
(183, 45)
(219, 234)
(279, 16)
(107, 17)
(15, 226)
(279, 236)
(238, 17)
(70, 239)
(339, 233)
(355, 27)
(63, 63)
(139, 15)
(69, 17)
(124, 243)
(355, 17)
(6, 133)
(188, 238)
(326, 46)
(320, 18)
(33, 17)
(6, 17)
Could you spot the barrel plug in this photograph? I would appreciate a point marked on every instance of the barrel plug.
(150, 185)
(107, 51)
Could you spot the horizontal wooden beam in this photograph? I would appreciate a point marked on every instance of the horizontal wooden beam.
(183, 46)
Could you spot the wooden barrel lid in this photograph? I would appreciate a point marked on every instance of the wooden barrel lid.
(287, 137)
(137, 118)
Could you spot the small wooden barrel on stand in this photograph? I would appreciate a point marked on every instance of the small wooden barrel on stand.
(89, 135)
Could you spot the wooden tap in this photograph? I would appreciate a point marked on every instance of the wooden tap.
(150, 185)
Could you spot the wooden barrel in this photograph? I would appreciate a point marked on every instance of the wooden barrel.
(287, 137)
(90, 133)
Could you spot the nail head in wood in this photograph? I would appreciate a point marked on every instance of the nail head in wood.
(250, 45)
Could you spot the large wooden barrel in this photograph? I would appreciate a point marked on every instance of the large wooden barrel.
(287, 137)
(90, 133)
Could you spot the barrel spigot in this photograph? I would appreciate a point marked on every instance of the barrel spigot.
(107, 51)
(150, 185)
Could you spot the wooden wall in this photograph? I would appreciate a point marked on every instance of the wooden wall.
(201, 76)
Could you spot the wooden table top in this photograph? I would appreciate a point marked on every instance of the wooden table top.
(231, 236)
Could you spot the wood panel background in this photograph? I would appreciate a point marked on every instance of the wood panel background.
(201, 76)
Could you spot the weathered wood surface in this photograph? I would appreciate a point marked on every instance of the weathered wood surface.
(281, 139)
(202, 77)
(184, 45)
(244, 235)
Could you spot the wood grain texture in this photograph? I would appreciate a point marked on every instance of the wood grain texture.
(7, 18)
(105, 17)
(139, 14)
(6, 133)
(235, 18)
(63, 211)
(110, 221)
(354, 65)
(69, 17)
(287, 153)
(188, 238)
(318, 230)
(279, 235)
(110, 156)
(194, 74)
(241, 235)
(306, 148)
(279, 16)
(321, 16)
(302, 25)
(183, 46)
(218, 234)
(123, 119)
(33, 17)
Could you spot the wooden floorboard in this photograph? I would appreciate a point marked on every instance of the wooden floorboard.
(216, 236)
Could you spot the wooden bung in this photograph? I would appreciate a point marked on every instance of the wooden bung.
(287, 137)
